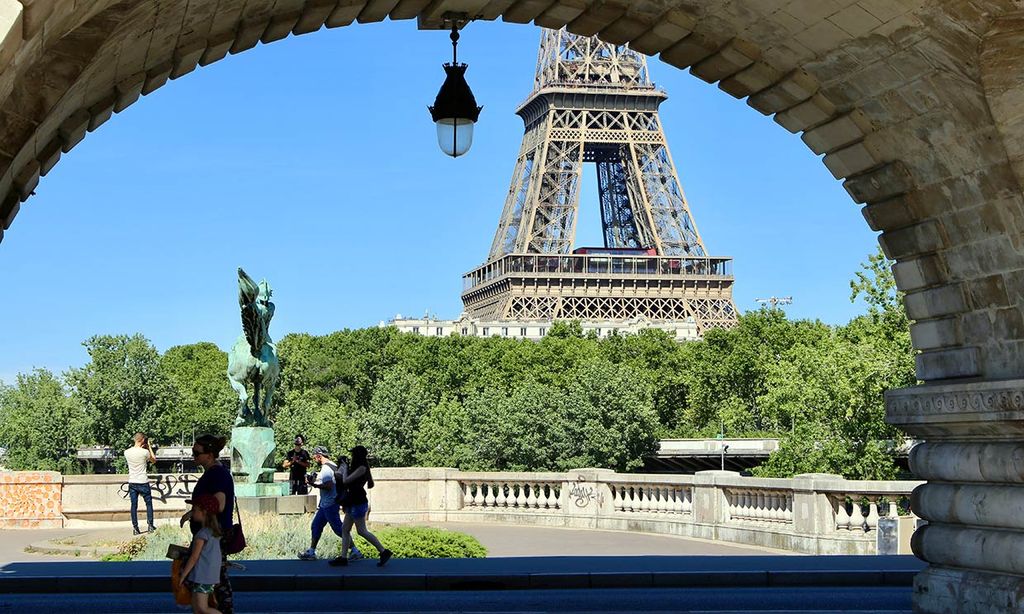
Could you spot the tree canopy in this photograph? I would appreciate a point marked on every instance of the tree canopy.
(567, 401)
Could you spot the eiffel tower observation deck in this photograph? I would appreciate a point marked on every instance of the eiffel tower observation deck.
(594, 102)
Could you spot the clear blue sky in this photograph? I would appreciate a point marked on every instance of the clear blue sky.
(312, 162)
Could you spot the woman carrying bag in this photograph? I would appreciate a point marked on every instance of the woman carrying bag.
(217, 482)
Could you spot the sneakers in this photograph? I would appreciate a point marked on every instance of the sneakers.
(338, 561)
(151, 529)
(384, 558)
(356, 555)
(136, 531)
(308, 555)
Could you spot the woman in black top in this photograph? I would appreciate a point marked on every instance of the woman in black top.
(356, 506)
(217, 482)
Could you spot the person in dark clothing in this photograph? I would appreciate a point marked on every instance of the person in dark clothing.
(297, 462)
(356, 506)
(216, 481)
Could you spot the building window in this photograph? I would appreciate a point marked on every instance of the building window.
(486, 329)
(599, 332)
(504, 331)
(440, 331)
(522, 331)
(465, 331)
(416, 330)
(543, 331)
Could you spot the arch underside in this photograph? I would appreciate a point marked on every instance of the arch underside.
(890, 92)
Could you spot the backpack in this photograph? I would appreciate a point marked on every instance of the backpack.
(341, 491)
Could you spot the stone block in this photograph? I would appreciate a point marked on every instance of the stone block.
(934, 334)
(902, 243)
(280, 27)
(948, 364)
(795, 88)
(884, 182)
(1009, 324)
(595, 18)
(9, 208)
(736, 55)
(814, 111)
(73, 129)
(918, 273)
(26, 179)
(988, 292)
(525, 11)
(751, 80)
(690, 50)
(623, 30)
(248, 35)
(101, 111)
(838, 133)
(217, 48)
(345, 13)
(672, 27)
(156, 77)
(855, 159)
(855, 21)
(11, 22)
(314, 15)
(375, 11)
(891, 214)
(935, 302)
(822, 37)
(128, 91)
(187, 58)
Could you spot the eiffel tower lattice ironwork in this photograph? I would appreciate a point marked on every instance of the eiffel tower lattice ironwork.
(595, 102)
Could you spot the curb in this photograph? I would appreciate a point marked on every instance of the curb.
(49, 547)
(383, 581)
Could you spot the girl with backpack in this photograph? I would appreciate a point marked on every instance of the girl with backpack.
(356, 506)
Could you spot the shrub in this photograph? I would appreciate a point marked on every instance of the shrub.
(270, 536)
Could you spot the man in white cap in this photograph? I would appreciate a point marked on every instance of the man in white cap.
(328, 511)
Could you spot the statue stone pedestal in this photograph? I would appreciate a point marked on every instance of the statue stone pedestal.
(252, 462)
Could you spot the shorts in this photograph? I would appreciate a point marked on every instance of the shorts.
(196, 587)
(358, 511)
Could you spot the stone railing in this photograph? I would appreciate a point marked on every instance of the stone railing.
(816, 513)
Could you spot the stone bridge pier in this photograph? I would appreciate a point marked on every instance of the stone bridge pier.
(916, 105)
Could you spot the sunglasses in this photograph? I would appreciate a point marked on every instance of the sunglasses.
(197, 454)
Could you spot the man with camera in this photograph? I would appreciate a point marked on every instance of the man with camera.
(138, 457)
(297, 462)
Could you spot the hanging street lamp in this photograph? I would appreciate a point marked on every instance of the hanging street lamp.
(455, 111)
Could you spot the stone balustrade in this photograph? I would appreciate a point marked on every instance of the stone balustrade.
(814, 513)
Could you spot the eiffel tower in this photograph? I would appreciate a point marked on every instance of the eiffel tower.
(595, 102)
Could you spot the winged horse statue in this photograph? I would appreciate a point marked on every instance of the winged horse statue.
(253, 359)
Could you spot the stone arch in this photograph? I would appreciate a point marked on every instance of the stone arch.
(912, 103)
(888, 92)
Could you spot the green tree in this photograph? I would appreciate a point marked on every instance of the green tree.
(122, 388)
(40, 424)
(203, 400)
(389, 425)
(445, 437)
(319, 417)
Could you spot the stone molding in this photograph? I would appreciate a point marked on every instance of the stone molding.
(991, 409)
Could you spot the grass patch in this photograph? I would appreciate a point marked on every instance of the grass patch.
(271, 536)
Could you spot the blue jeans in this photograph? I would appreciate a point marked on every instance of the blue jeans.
(324, 516)
(134, 490)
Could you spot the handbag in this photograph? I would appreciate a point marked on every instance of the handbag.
(234, 541)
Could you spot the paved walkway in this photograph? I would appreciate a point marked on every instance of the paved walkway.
(500, 541)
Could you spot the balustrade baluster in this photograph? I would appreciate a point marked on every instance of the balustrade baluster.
(871, 523)
(787, 510)
(554, 499)
(521, 497)
(488, 495)
(777, 507)
(842, 517)
(467, 494)
(500, 499)
(687, 496)
(478, 501)
(531, 499)
(856, 516)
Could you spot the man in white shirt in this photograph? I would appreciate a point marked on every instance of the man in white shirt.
(138, 456)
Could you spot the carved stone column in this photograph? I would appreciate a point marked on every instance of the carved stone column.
(973, 461)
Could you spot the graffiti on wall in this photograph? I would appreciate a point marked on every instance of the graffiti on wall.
(168, 486)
